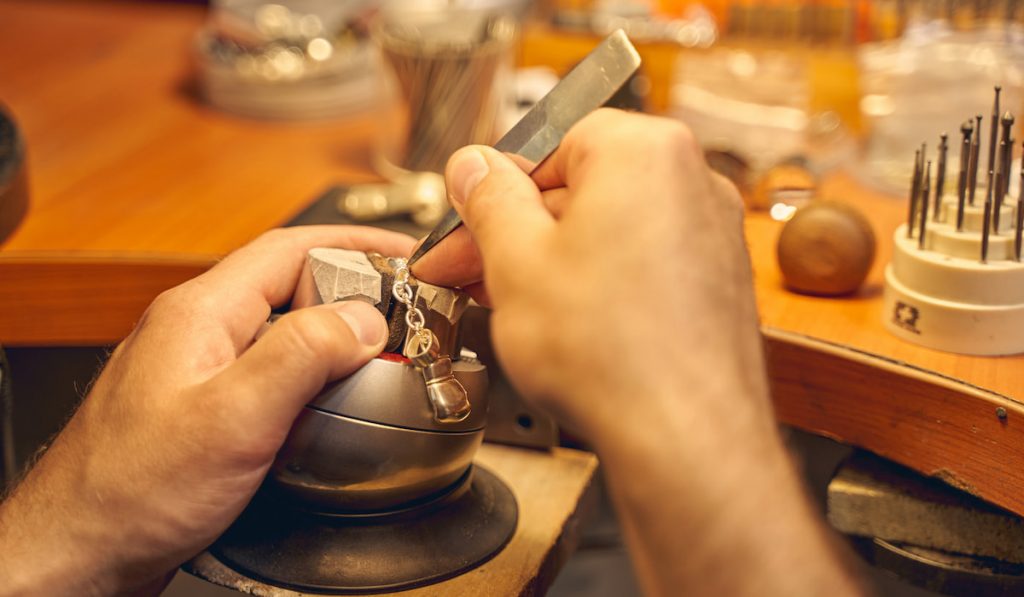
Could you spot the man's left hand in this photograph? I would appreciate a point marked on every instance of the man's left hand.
(181, 427)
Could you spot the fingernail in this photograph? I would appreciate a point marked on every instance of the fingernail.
(366, 322)
(468, 168)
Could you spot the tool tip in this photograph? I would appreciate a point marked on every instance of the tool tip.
(1007, 118)
(967, 127)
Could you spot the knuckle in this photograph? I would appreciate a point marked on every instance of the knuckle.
(174, 302)
(275, 240)
(274, 236)
(730, 198)
(676, 138)
(613, 130)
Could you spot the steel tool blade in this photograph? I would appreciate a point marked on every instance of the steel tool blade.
(587, 87)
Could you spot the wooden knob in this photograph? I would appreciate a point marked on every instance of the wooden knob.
(826, 249)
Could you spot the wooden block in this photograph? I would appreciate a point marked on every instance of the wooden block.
(872, 497)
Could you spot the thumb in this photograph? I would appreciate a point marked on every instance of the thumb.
(297, 356)
(499, 203)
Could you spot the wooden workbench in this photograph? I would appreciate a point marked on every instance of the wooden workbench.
(137, 186)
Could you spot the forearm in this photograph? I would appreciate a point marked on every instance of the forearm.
(715, 507)
(52, 540)
(39, 556)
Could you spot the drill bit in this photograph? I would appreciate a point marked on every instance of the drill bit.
(1003, 171)
(940, 176)
(993, 133)
(986, 223)
(1007, 154)
(1020, 214)
(925, 188)
(972, 168)
(965, 151)
(915, 190)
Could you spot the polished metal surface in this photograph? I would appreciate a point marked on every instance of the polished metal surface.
(393, 393)
(331, 463)
(587, 87)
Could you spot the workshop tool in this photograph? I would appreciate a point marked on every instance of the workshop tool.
(940, 175)
(986, 229)
(965, 152)
(444, 70)
(958, 285)
(972, 181)
(587, 87)
(1020, 216)
(915, 190)
(993, 131)
(1008, 156)
(1003, 168)
(925, 190)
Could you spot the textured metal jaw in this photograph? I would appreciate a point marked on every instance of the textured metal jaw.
(587, 87)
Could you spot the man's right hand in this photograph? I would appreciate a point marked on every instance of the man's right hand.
(620, 260)
(623, 304)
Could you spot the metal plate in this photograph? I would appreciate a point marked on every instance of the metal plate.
(357, 555)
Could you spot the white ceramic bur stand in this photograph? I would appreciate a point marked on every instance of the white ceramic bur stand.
(944, 297)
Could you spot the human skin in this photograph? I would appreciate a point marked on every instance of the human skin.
(623, 304)
(179, 430)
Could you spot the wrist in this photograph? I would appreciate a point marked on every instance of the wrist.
(50, 545)
(726, 482)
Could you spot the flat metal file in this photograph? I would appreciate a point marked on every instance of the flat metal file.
(586, 88)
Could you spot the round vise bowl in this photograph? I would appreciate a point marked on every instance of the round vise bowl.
(334, 464)
(370, 444)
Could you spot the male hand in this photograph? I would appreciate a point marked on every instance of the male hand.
(179, 430)
(624, 305)
(621, 261)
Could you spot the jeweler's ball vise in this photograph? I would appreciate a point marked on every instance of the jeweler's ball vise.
(403, 428)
